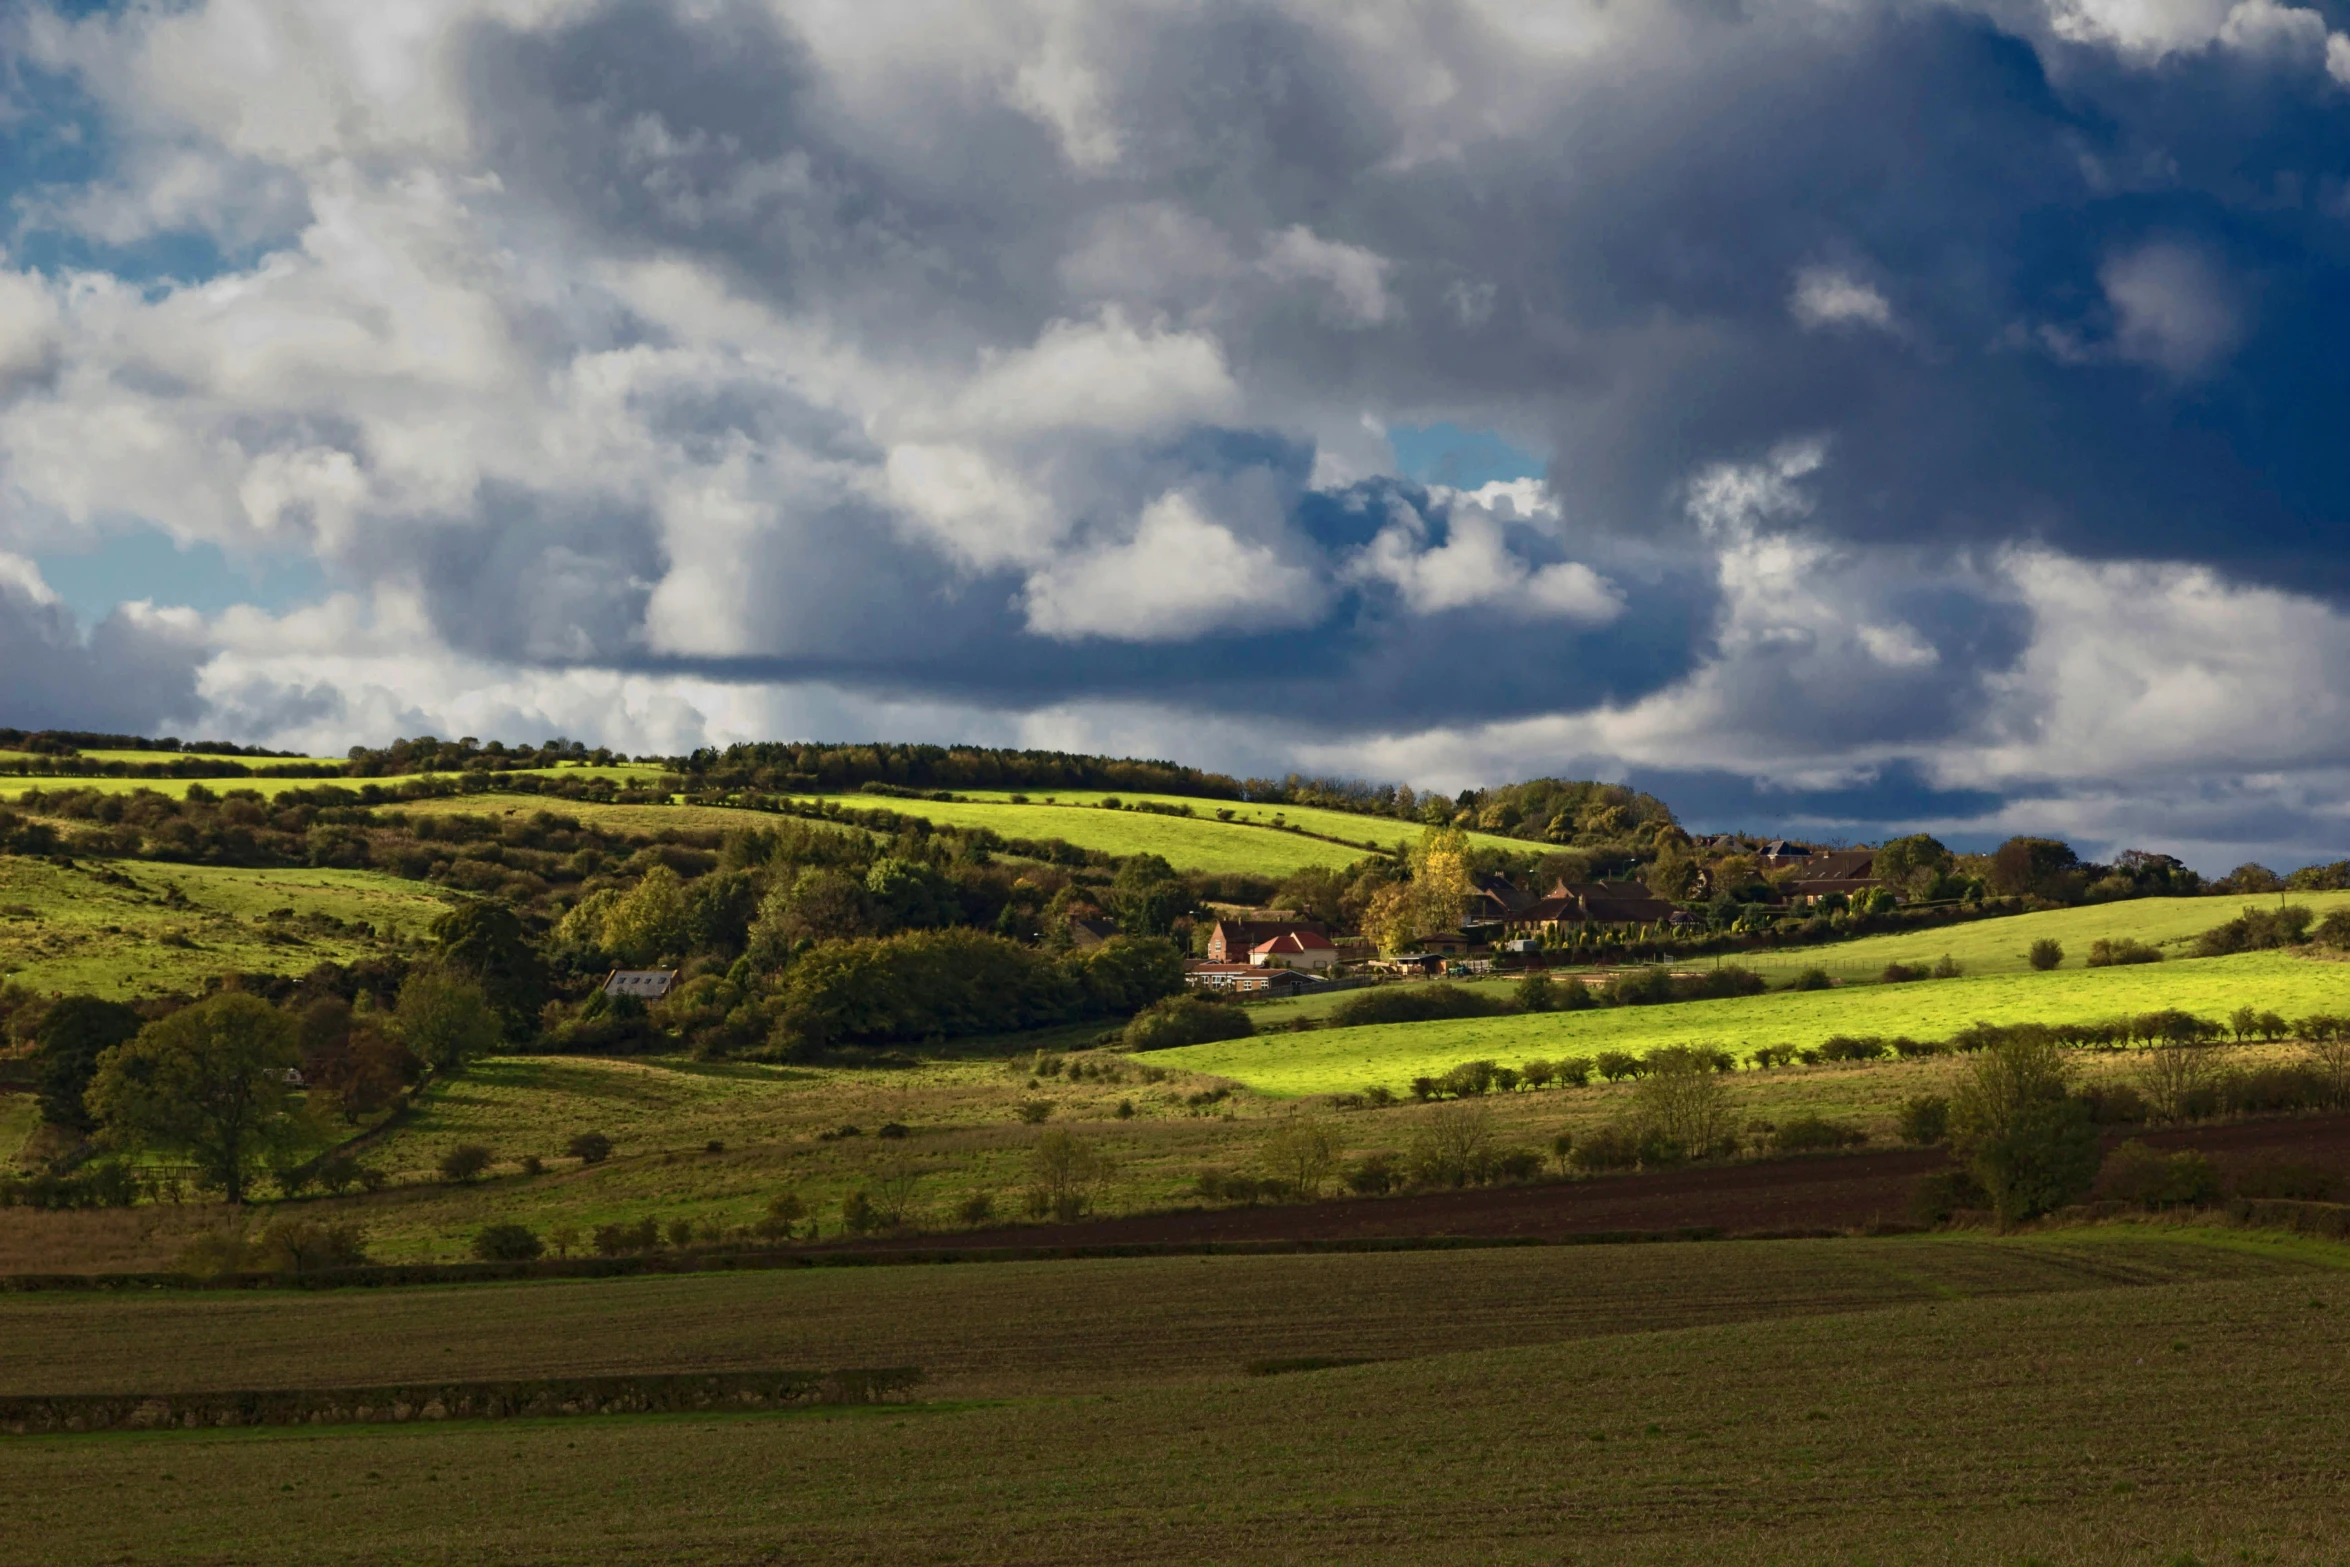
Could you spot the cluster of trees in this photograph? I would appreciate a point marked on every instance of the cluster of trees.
(234, 1083)
(811, 768)
(72, 742)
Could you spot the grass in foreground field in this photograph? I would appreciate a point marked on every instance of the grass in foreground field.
(2124, 1425)
(1348, 1059)
(74, 929)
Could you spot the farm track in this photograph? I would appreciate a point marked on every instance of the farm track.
(1770, 1196)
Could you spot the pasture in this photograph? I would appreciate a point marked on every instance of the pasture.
(142, 927)
(1350, 1059)
(1999, 946)
(1936, 1400)
(1385, 832)
(1190, 843)
(12, 787)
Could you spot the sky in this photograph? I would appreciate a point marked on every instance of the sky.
(1842, 417)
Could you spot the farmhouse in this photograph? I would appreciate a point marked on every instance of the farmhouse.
(640, 984)
(1592, 903)
(1304, 949)
(1839, 870)
(1231, 941)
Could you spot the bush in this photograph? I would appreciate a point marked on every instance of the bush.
(1923, 1119)
(2257, 930)
(1810, 1134)
(2136, 1174)
(613, 1239)
(1538, 1072)
(1844, 1047)
(1575, 1072)
(1413, 1004)
(1374, 1174)
(1034, 1112)
(1901, 974)
(2024, 1136)
(466, 1162)
(532, 1164)
(2117, 1104)
(2121, 950)
(2045, 954)
(1948, 967)
(507, 1243)
(784, 1214)
(1536, 993)
(591, 1148)
(1452, 1146)
(858, 1215)
(1186, 1020)
(1615, 1146)
(1616, 1065)
(1939, 1197)
(1468, 1080)
(976, 1209)
(337, 1174)
(1811, 979)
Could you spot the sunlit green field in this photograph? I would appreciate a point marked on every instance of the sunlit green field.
(75, 930)
(1188, 843)
(1386, 831)
(1998, 946)
(12, 787)
(2127, 1397)
(1334, 1060)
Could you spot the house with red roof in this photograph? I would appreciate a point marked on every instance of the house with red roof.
(1304, 949)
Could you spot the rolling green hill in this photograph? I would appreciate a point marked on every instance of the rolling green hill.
(1198, 843)
(115, 929)
(1339, 1060)
(1997, 946)
(11, 787)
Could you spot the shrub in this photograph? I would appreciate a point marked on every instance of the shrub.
(338, 1173)
(1615, 1146)
(1948, 967)
(2045, 954)
(1302, 1151)
(2023, 1135)
(507, 1243)
(976, 1209)
(1536, 993)
(1901, 974)
(1413, 1004)
(1374, 1174)
(1467, 1080)
(1452, 1146)
(2136, 1174)
(466, 1162)
(1575, 1072)
(532, 1164)
(1034, 1112)
(613, 1239)
(1683, 1102)
(1379, 1096)
(1562, 1148)
(1938, 1197)
(1186, 1020)
(1811, 979)
(2257, 930)
(783, 1216)
(1768, 1056)
(1518, 1164)
(1845, 1047)
(299, 1245)
(1616, 1065)
(680, 1232)
(1923, 1119)
(1538, 1072)
(857, 1214)
(2120, 950)
(2334, 930)
(1912, 1049)
(591, 1148)
(1811, 1133)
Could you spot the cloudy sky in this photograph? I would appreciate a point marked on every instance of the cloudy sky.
(1832, 414)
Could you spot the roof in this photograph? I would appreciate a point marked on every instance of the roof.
(645, 984)
(1296, 941)
(1837, 865)
(1092, 932)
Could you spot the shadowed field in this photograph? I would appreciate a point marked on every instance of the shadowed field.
(2104, 1397)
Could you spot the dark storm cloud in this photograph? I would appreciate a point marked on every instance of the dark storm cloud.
(126, 677)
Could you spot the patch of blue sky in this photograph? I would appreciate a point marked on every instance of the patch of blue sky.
(144, 563)
(1462, 459)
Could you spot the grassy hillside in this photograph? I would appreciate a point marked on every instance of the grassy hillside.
(114, 928)
(1997, 946)
(11, 787)
(1384, 831)
(1187, 843)
(1334, 1060)
(1927, 1416)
